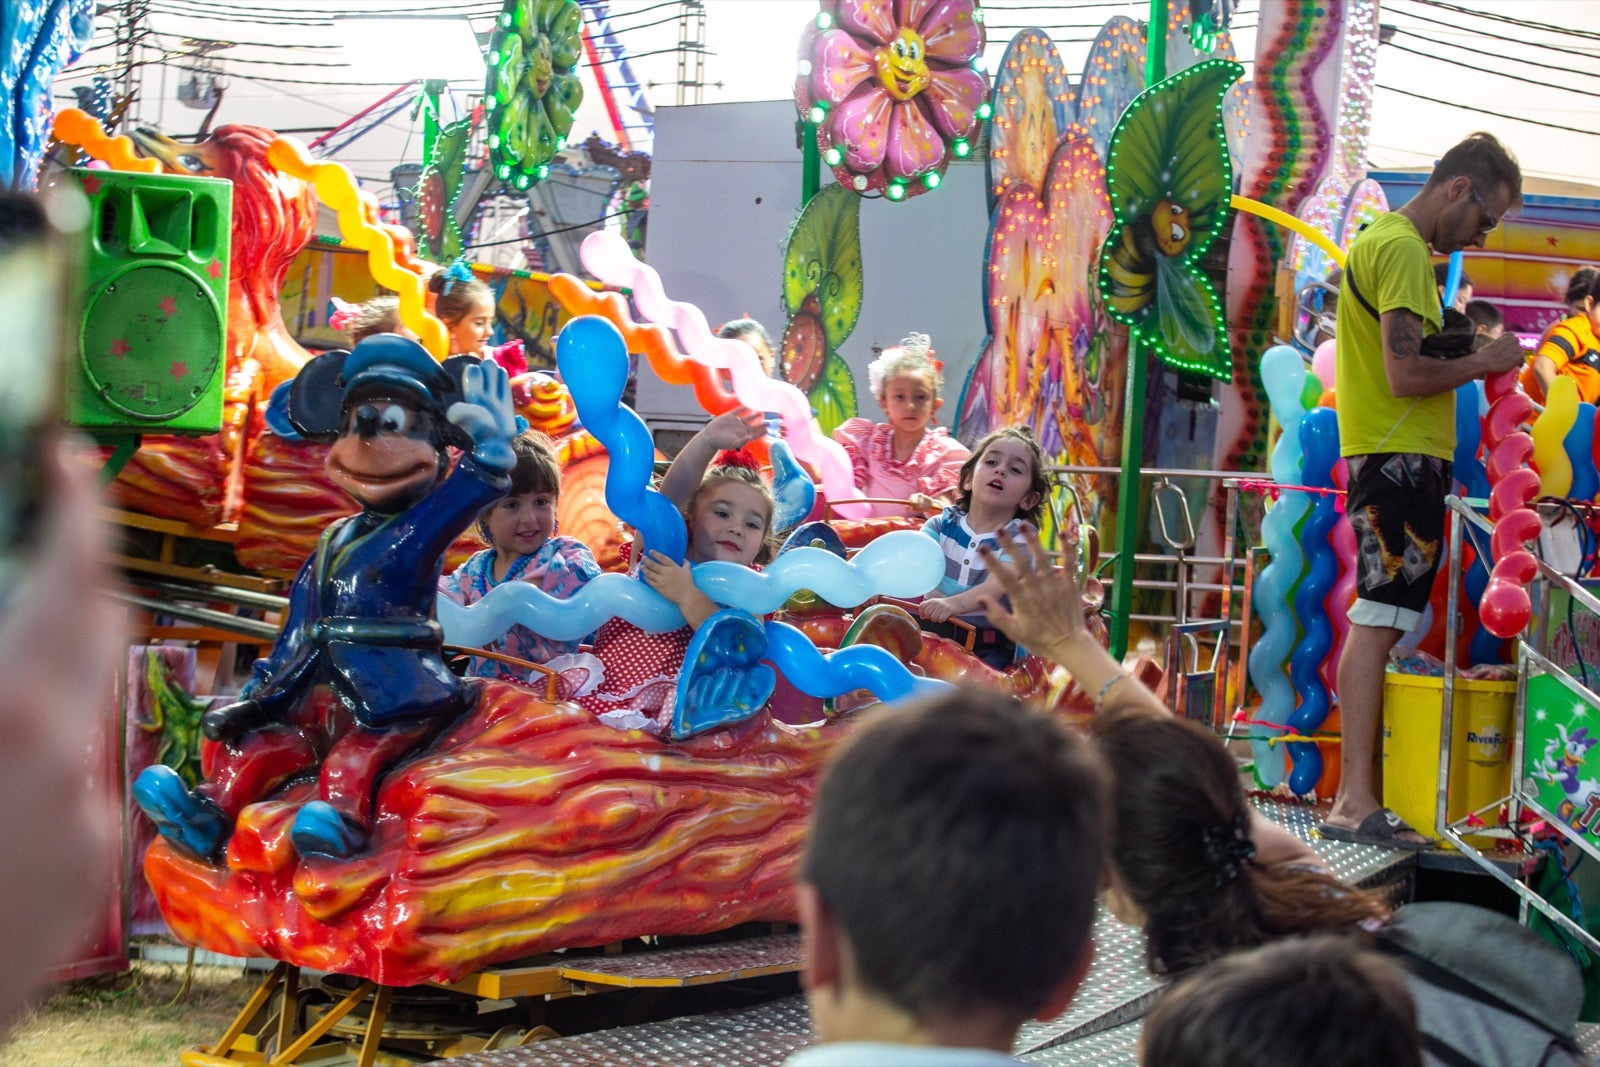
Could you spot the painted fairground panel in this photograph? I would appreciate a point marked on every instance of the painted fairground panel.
(322, 273)
(1053, 360)
(1559, 765)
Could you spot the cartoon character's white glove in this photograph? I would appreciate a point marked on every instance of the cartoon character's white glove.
(487, 414)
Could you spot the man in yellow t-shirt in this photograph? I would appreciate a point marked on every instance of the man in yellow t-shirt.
(1397, 430)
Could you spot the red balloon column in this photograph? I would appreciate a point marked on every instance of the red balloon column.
(1505, 606)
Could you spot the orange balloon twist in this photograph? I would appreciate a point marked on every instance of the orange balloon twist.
(359, 227)
(82, 130)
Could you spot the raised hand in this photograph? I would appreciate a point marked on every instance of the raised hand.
(735, 428)
(487, 413)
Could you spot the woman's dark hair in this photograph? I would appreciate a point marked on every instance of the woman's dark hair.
(1040, 485)
(1176, 795)
(1585, 282)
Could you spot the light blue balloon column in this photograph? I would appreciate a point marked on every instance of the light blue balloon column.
(1319, 441)
(1284, 373)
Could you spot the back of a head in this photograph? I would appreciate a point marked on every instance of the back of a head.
(1584, 283)
(1484, 314)
(1316, 1002)
(958, 843)
(1441, 277)
(1486, 161)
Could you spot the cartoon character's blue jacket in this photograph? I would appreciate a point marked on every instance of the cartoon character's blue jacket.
(361, 612)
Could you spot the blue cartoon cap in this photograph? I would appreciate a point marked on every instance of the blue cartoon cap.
(324, 387)
(389, 359)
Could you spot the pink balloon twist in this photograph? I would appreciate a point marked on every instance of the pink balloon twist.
(608, 257)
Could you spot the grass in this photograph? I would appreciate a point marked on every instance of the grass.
(143, 1016)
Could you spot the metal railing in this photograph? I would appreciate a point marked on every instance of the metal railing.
(1531, 657)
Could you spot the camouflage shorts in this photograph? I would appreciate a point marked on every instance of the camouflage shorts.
(1396, 507)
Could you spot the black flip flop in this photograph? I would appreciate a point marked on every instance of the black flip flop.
(1382, 828)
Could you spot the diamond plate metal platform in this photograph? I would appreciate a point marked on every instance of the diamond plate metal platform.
(1117, 988)
(761, 1036)
(726, 961)
(1117, 1047)
(1359, 865)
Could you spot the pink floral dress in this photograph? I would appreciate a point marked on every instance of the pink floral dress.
(934, 466)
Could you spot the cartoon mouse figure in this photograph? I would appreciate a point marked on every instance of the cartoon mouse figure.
(361, 611)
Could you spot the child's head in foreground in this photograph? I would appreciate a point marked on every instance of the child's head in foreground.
(1315, 1002)
(951, 869)
(908, 383)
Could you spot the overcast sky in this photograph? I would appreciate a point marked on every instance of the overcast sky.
(1470, 53)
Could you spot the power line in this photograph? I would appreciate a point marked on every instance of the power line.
(1485, 111)
(1494, 36)
(1546, 27)
(1496, 55)
(1489, 70)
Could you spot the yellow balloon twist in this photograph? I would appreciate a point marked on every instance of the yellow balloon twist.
(82, 130)
(358, 214)
(1550, 430)
(1289, 222)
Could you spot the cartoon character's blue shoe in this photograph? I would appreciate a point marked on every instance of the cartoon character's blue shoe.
(723, 680)
(319, 830)
(815, 535)
(194, 824)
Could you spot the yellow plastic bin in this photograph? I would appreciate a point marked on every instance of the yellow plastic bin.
(1480, 748)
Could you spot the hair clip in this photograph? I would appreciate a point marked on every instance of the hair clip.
(459, 270)
(342, 313)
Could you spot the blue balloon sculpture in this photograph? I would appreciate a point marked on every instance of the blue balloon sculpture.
(857, 667)
(1319, 440)
(37, 40)
(1452, 280)
(1284, 372)
(593, 361)
(1467, 465)
(1579, 446)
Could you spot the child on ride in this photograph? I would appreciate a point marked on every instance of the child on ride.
(381, 314)
(524, 546)
(1002, 482)
(631, 676)
(466, 307)
(906, 457)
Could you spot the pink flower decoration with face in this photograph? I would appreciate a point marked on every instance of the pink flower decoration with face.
(892, 89)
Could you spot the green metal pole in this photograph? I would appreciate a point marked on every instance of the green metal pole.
(1155, 70)
(810, 162)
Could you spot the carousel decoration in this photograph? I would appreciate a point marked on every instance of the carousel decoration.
(823, 286)
(1170, 180)
(893, 90)
(533, 91)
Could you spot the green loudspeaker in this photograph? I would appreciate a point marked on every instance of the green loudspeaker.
(155, 325)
